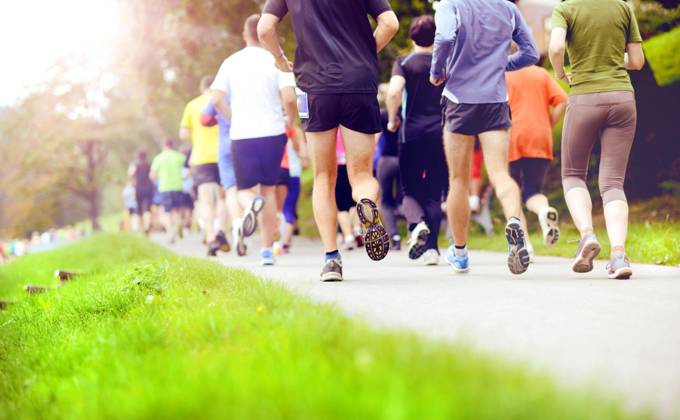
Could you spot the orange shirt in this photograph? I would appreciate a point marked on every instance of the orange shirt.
(532, 91)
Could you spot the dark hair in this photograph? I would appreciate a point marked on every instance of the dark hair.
(169, 143)
(141, 156)
(422, 30)
(206, 81)
(250, 26)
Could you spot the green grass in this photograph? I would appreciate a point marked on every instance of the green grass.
(146, 334)
(663, 57)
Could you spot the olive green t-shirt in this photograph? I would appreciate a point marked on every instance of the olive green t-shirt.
(597, 34)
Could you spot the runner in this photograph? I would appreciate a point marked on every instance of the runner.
(166, 169)
(391, 193)
(187, 208)
(421, 153)
(337, 67)
(537, 104)
(297, 161)
(204, 169)
(209, 117)
(470, 54)
(130, 202)
(144, 190)
(258, 93)
(601, 105)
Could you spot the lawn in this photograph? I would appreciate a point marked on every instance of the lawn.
(147, 334)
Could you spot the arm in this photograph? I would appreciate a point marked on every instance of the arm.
(289, 100)
(388, 26)
(266, 31)
(395, 94)
(209, 115)
(153, 172)
(185, 125)
(557, 113)
(635, 57)
(558, 38)
(446, 21)
(527, 53)
(219, 103)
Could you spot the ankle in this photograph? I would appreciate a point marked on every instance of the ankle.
(587, 232)
(617, 251)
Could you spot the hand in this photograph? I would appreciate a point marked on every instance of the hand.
(565, 77)
(393, 125)
(437, 82)
(283, 64)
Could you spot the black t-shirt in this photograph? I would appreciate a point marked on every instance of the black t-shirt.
(336, 51)
(391, 140)
(423, 113)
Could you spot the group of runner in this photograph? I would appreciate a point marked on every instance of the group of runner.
(448, 108)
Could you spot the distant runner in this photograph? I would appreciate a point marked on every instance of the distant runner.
(144, 190)
(166, 169)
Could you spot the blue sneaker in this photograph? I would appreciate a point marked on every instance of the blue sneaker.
(266, 257)
(459, 263)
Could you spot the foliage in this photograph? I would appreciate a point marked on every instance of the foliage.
(653, 18)
(666, 65)
(145, 334)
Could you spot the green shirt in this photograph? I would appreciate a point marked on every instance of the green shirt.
(168, 169)
(597, 34)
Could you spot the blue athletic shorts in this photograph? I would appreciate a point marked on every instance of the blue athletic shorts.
(225, 162)
(258, 161)
(172, 200)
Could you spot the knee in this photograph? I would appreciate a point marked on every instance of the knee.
(569, 183)
(611, 189)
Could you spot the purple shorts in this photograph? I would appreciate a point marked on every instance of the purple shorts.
(258, 161)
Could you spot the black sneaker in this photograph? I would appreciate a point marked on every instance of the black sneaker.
(221, 239)
(332, 270)
(417, 240)
(518, 256)
(376, 239)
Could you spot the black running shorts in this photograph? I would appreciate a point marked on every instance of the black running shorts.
(475, 119)
(356, 111)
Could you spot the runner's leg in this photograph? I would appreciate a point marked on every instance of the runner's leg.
(495, 147)
(458, 149)
(322, 152)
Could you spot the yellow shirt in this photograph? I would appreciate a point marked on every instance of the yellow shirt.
(204, 140)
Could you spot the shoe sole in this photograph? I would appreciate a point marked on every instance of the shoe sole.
(250, 218)
(331, 277)
(584, 261)
(552, 236)
(518, 256)
(459, 270)
(419, 248)
(623, 273)
(241, 247)
(376, 239)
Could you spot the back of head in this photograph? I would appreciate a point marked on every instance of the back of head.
(168, 143)
(141, 156)
(422, 30)
(206, 82)
(250, 29)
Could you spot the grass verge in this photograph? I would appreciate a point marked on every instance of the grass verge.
(146, 334)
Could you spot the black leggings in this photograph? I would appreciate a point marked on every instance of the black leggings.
(390, 191)
(423, 176)
(529, 174)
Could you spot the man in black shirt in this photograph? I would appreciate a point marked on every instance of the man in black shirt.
(336, 65)
(421, 155)
(388, 176)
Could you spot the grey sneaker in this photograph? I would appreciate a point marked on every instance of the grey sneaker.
(518, 256)
(588, 249)
(417, 241)
(619, 268)
(332, 270)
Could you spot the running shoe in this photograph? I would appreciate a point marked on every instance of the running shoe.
(431, 257)
(417, 241)
(460, 263)
(588, 249)
(349, 243)
(518, 256)
(376, 239)
(221, 238)
(266, 257)
(619, 267)
(332, 270)
(249, 221)
(549, 218)
(213, 247)
(278, 248)
(238, 238)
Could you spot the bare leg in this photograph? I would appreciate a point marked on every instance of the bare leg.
(458, 149)
(537, 202)
(268, 215)
(581, 208)
(232, 204)
(322, 152)
(495, 146)
(207, 201)
(360, 149)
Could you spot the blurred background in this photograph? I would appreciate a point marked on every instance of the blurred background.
(84, 84)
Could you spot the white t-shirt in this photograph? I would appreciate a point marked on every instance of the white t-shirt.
(253, 84)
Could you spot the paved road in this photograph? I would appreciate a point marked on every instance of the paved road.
(623, 336)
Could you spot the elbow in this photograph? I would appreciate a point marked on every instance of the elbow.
(638, 63)
(533, 54)
(265, 29)
(390, 23)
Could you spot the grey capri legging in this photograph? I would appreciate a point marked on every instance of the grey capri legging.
(611, 117)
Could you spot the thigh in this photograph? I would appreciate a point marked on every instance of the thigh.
(495, 146)
(361, 113)
(617, 139)
(458, 150)
(359, 149)
(411, 168)
(270, 153)
(582, 125)
(322, 150)
(533, 174)
(246, 164)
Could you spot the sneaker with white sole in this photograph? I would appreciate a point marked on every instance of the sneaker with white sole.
(417, 240)
(332, 270)
(238, 238)
(518, 256)
(619, 267)
(376, 240)
(458, 259)
(549, 220)
(266, 257)
(249, 220)
(431, 257)
(588, 249)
